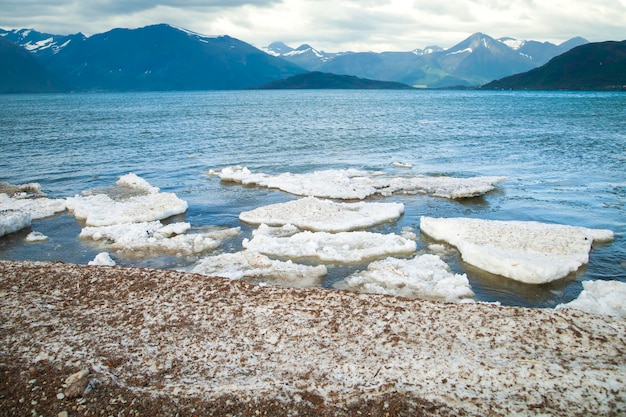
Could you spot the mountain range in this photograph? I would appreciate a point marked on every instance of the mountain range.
(158, 57)
(475, 61)
(162, 57)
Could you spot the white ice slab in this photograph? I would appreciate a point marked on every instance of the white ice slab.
(607, 298)
(529, 252)
(133, 181)
(37, 208)
(343, 247)
(20, 204)
(102, 210)
(424, 276)
(154, 237)
(36, 237)
(254, 266)
(320, 215)
(103, 258)
(13, 220)
(352, 184)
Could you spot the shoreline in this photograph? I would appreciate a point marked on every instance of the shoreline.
(191, 344)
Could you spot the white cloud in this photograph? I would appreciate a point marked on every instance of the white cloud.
(333, 25)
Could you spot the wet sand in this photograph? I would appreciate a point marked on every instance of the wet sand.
(156, 342)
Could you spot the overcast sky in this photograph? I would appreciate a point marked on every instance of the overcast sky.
(333, 25)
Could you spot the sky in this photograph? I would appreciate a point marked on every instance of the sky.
(333, 25)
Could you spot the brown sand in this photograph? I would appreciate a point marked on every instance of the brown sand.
(157, 342)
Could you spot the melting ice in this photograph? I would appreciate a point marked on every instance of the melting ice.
(526, 251)
(131, 223)
(342, 247)
(20, 204)
(320, 215)
(425, 276)
(352, 184)
(601, 297)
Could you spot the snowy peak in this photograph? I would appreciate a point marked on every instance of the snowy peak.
(304, 55)
(37, 42)
(512, 43)
(277, 49)
(475, 42)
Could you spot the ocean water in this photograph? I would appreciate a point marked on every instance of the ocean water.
(563, 153)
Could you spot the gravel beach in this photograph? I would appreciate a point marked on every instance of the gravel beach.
(96, 340)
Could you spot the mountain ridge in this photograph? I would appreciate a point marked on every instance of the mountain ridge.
(163, 57)
(599, 66)
(158, 58)
(476, 60)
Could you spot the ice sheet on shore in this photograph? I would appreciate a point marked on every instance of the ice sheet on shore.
(343, 247)
(318, 215)
(254, 266)
(607, 298)
(352, 184)
(425, 276)
(155, 237)
(525, 251)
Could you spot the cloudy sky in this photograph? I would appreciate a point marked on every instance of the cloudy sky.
(333, 25)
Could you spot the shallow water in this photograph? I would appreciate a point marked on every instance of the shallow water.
(564, 155)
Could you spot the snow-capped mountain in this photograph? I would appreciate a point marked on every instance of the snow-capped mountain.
(157, 57)
(162, 57)
(304, 55)
(21, 73)
(40, 43)
(474, 61)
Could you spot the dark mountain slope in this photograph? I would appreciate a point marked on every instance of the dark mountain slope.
(319, 80)
(21, 73)
(162, 57)
(594, 66)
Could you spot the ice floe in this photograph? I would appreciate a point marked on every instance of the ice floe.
(150, 205)
(13, 220)
(103, 258)
(253, 266)
(129, 222)
(132, 180)
(20, 204)
(156, 237)
(36, 237)
(525, 251)
(424, 276)
(29, 198)
(342, 247)
(311, 213)
(352, 184)
(607, 298)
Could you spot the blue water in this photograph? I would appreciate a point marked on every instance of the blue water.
(564, 155)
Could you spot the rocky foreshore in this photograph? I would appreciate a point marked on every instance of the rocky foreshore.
(153, 342)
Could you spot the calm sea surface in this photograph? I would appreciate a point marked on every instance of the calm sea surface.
(564, 155)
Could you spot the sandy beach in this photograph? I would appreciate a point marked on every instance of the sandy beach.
(154, 342)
